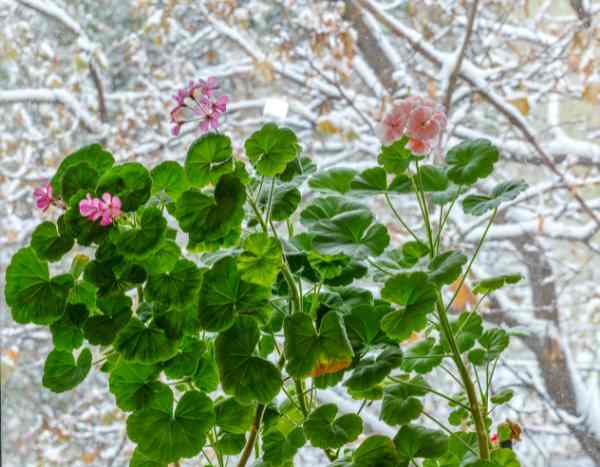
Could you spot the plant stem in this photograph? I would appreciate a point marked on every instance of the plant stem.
(397, 215)
(433, 391)
(260, 409)
(475, 408)
(443, 223)
(300, 394)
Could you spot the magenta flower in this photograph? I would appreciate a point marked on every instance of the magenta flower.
(106, 209)
(111, 208)
(418, 118)
(43, 196)
(197, 103)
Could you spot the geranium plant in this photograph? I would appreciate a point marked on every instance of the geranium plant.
(220, 296)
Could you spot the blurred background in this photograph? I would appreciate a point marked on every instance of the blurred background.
(522, 73)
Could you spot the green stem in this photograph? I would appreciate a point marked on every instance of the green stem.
(300, 394)
(470, 265)
(443, 223)
(397, 215)
(260, 409)
(424, 208)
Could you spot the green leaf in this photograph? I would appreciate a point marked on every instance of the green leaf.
(62, 373)
(102, 329)
(31, 294)
(141, 240)
(209, 157)
(138, 459)
(67, 332)
(83, 293)
(79, 177)
(94, 155)
(470, 161)
(186, 361)
(376, 451)
(400, 401)
(505, 457)
(224, 295)
(48, 243)
(163, 258)
(503, 397)
(298, 170)
(169, 177)
(433, 178)
(466, 329)
(212, 218)
(412, 290)
(340, 226)
(324, 430)
(286, 199)
(370, 181)
(234, 417)
(230, 444)
(413, 441)
(492, 284)
(480, 204)
(395, 158)
(206, 377)
(135, 386)
(446, 267)
(493, 342)
(177, 287)
(271, 148)
(144, 344)
(280, 449)
(335, 180)
(363, 324)
(370, 372)
(423, 356)
(310, 353)
(242, 375)
(261, 259)
(131, 182)
(166, 437)
(85, 231)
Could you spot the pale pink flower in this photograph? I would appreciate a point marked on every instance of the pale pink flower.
(110, 208)
(197, 103)
(418, 118)
(91, 208)
(43, 196)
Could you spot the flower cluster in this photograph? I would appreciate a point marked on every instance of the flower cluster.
(106, 209)
(198, 103)
(43, 196)
(421, 119)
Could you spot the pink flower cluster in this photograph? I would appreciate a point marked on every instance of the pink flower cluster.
(106, 209)
(421, 119)
(43, 196)
(198, 103)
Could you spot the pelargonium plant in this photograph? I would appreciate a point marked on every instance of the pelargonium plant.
(222, 295)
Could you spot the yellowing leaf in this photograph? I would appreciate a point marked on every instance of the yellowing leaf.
(521, 104)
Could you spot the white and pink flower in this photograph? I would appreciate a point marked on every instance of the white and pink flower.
(197, 103)
(43, 196)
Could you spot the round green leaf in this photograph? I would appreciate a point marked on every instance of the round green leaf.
(261, 259)
(131, 182)
(67, 332)
(230, 444)
(78, 177)
(271, 148)
(324, 430)
(400, 401)
(186, 361)
(177, 287)
(480, 204)
(335, 180)
(163, 258)
(285, 201)
(423, 356)
(470, 161)
(224, 295)
(433, 178)
(138, 459)
(493, 342)
(307, 352)
(413, 441)
(141, 240)
(234, 417)
(169, 177)
(345, 227)
(134, 385)
(376, 451)
(48, 243)
(206, 377)
(62, 373)
(144, 344)
(413, 290)
(166, 437)
(400, 324)
(395, 158)
(446, 267)
(209, 157)
(242, 375)
(94, 155)
(280, 449)
(370, 372)
(31, 294)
